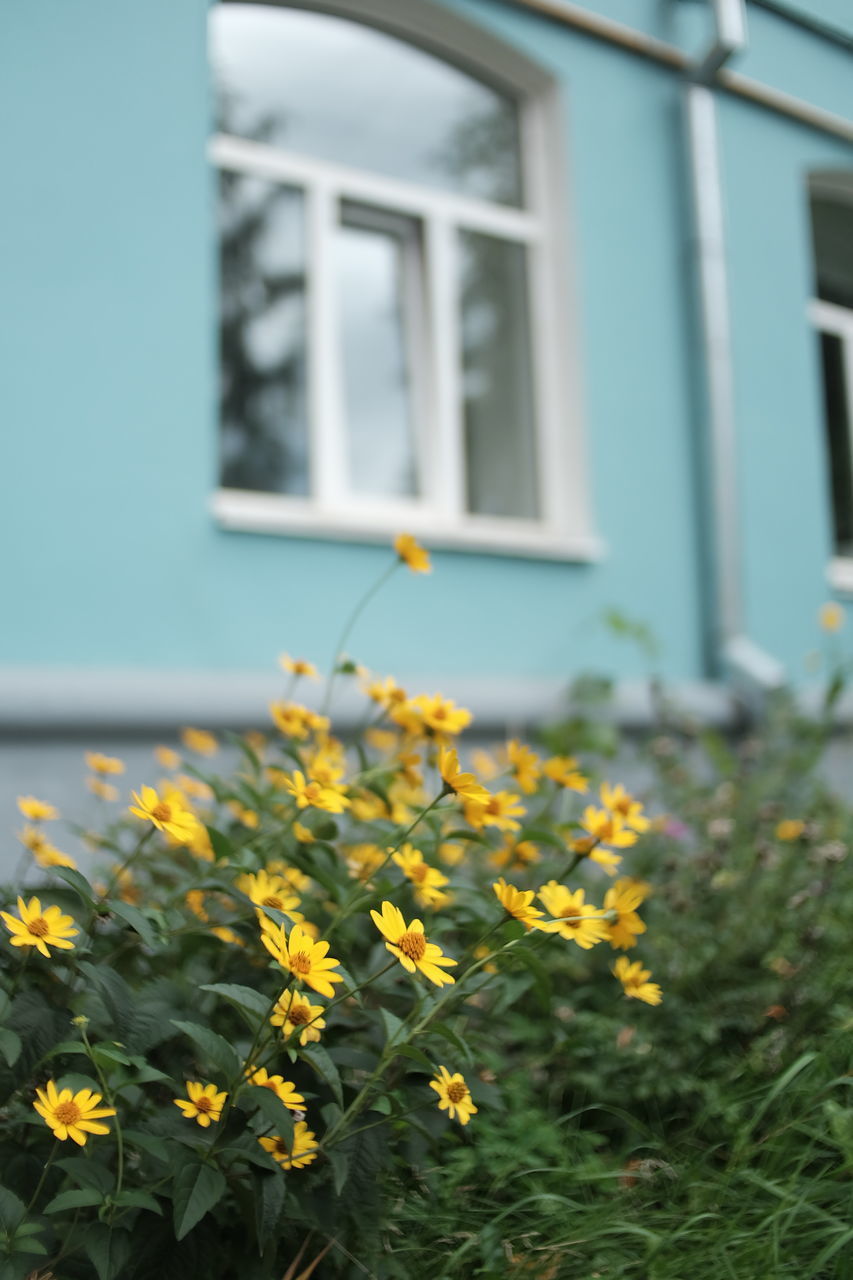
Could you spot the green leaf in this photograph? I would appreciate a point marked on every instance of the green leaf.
(88, 1173)
(10, 1045)
(448, 1034)
(78, 883)
(243, 997)
(271, 1108)
(340, 1168)
(138, 1200)
(416, 1055)
(319, 1060)
(68, 1046)
(5, 1005)
(216, 1049)
(269, 1202)
(135, 918)
(159, 1148)
(12, 1210)
(108, 1249)
(79, 1198)
(383, 1106)
(108, 1055)
(25, 1244)
(392, 1024)
(198, 1187)
(222, 846)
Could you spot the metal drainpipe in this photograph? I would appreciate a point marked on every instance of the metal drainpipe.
(752, 671)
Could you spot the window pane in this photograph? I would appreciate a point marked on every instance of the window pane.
(497, 386)
(263, 320)
(378, 256)
(342, 91)
(832, 242)
(838, 441)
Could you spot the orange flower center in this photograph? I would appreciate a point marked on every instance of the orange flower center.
(204, 1103)
(67, 1113)
(281, 1147)
(273, 901)
(38, 927)
(300, 962)
(419, 872)
(412, 945)
(300, 1015)
(162, 812)
(456, 1091)
(571, 911)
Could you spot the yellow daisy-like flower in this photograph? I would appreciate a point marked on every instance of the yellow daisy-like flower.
(441, 715)
(518, 903)
(298, 666)
(194, 899)
(501, 810)
(270, 891)
(303, 834)
(310, 794)
(515, 855)
(41, 929)
(624, 897)
(104, 764)
(464, 785)
(580, 922)
(308, 961)
(194, 787)
(367, 806)
(291, 719)
(200, 741)
(45, 853)
(524, 764)
(454, 1096)
(103, 790)
(790, 829)
(302, 1151)
(248, 817)
(363, 859)
(204, 1105)
(608, 828)
(409, 944)
(831, 616)
(624, 806)
(283, 1089)
(292, 876)
(167, 813)
(386, 693)
(588, 847)
(565, 772)
(71, 1115)
(634, 979)
(412, 554)
(429, 882)
(224, 934)
(451, 854)
(37, 810)
(167, 758)
(293, 1012)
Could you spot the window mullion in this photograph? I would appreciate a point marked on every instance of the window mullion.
(328, 443)
(847, 366)
(445, 479)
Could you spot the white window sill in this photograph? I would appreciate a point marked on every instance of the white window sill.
(839, 575)
(249, 512)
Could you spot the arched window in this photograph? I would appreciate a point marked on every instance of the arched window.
(831, 198)
(393, 352)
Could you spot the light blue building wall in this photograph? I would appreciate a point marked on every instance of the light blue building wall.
(112, 558)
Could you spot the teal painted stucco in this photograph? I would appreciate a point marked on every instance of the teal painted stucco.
(108, 334)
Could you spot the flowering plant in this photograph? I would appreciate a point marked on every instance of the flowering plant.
(249, 1030)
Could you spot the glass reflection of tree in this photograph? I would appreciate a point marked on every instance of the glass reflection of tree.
(262, 394)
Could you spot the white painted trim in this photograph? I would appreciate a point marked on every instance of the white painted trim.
(244, 511)
(830, 318)
(839, 575)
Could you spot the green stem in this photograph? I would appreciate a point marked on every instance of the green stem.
(125, 866)
(44, 1173)
(111, 1101)
(348, 627)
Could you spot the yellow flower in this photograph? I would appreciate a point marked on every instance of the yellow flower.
(451, 854)
(564, 771)
(71, 1115)
(267, 890)
(485, 763)
(303, 1150)
(103, 790)
(194, 899)
(624, 806)
(36, 810)
(248, 817)
(45, 853)
(200, 741)
(167, 758)
(518, 903)
(524, 765)
(500, 810)
(454, 1095)
(588, 847)
(199, 845)
(441, 715)
(634, 979)
(303, 834)
(465, 785)
(167, 813)
(385, 692)
(307, 960)
(283, 1089)
(578, 921)
(515, 855)
(314, 794)
(298, 666)
(293, 1011)
(295, 721)
(205, 1103)
(367, 806)
(409, 944)
(831, 616)
(607, 828)
(411, 554)
(624, 897)
(790, 829)
(363, 859)
(429, 882)
(224, 934)
(104, 764)
(41, 929)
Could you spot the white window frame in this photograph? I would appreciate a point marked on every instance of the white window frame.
(564, 529)
(837, 322)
